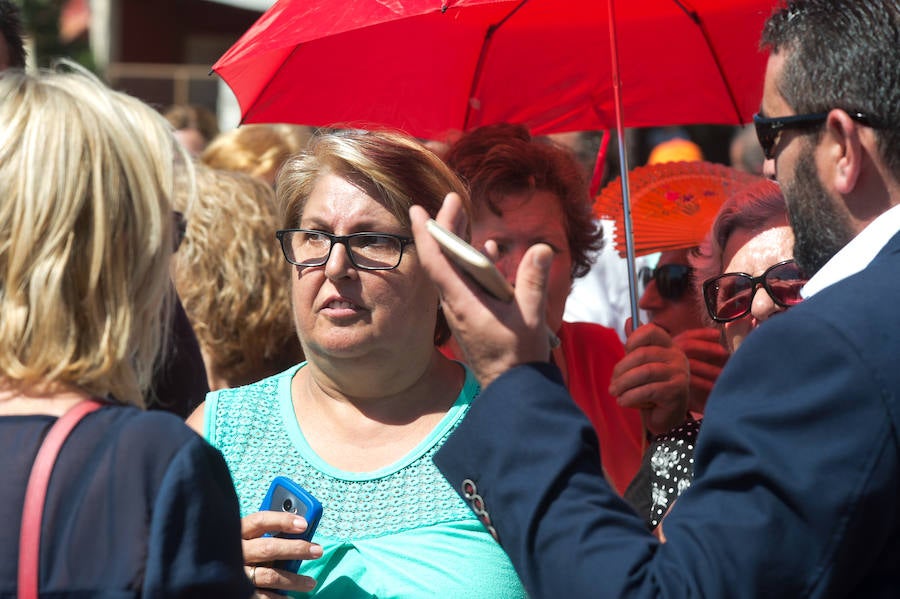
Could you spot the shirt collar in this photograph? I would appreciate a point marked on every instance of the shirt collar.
(857, 254)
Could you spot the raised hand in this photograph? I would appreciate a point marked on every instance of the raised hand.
(707, 356)
(493, 335)
(653, 377)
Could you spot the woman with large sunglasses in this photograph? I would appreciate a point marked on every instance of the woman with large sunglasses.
(357, 423)
(746, 273)
(746, 265)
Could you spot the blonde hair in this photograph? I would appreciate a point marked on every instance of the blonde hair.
(390, 167)
(257, 150)
(233, 280)
(85, 234)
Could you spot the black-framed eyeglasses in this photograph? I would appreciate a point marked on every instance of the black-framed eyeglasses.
(768, 129)
(368, 251)
(730, 296)
(672, 280)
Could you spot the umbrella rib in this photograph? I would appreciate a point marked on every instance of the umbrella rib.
(482, 55)
(692, 14)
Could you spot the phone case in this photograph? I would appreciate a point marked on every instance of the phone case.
(285, 495)
(473, 262)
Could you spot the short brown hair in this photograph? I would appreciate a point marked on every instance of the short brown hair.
(498, 160)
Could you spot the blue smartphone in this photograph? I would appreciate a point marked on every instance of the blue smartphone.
(285, 495)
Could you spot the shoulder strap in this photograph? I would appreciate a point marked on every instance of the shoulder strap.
(36, 494)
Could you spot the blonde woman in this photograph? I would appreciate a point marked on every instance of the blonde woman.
(138, 505)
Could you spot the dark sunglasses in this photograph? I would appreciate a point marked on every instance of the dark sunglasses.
(768, 129)
(729, 296)
(672, 280)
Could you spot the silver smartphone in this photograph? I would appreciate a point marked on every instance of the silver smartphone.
(473, 262)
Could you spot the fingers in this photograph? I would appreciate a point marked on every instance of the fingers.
(706, 357)
(703, 333)
(532, 279)
(264, 577)
(438, 266)
(259, 523)
(268, 549)
(647, 345)
(647, 365)
(451, 215)
(655, 377)
(703, 345)
(703, 375)
(648, 335)
(493, 335)
(259, 549)
(665, 376)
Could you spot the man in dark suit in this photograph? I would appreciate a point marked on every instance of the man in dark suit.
(796, 488)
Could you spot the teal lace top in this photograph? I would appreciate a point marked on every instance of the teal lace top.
(401, 531)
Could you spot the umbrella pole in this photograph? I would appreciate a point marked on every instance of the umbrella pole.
(623, 166)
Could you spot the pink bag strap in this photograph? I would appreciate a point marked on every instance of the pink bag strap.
(36, 495)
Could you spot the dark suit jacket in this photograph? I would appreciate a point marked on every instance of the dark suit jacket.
(796, 487)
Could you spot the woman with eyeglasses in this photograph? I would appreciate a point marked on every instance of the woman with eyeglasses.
(745, 274)
(357, 423)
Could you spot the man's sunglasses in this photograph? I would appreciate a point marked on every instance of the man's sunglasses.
(672, 280)
(729, 296)
(768, 129)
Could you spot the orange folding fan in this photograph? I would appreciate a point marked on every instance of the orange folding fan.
(673, 204)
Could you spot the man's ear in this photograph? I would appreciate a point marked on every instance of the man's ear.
(846, 150)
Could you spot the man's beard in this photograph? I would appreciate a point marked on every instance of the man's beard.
(820, 231)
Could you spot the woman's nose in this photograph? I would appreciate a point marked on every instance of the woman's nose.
(338, 262)
(763, 306)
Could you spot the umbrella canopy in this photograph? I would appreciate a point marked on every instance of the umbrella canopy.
(434, 68)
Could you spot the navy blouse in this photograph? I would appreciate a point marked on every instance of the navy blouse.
(138, 505)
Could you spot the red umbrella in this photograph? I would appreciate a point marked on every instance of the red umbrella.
(438, 67)
(432, 67)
